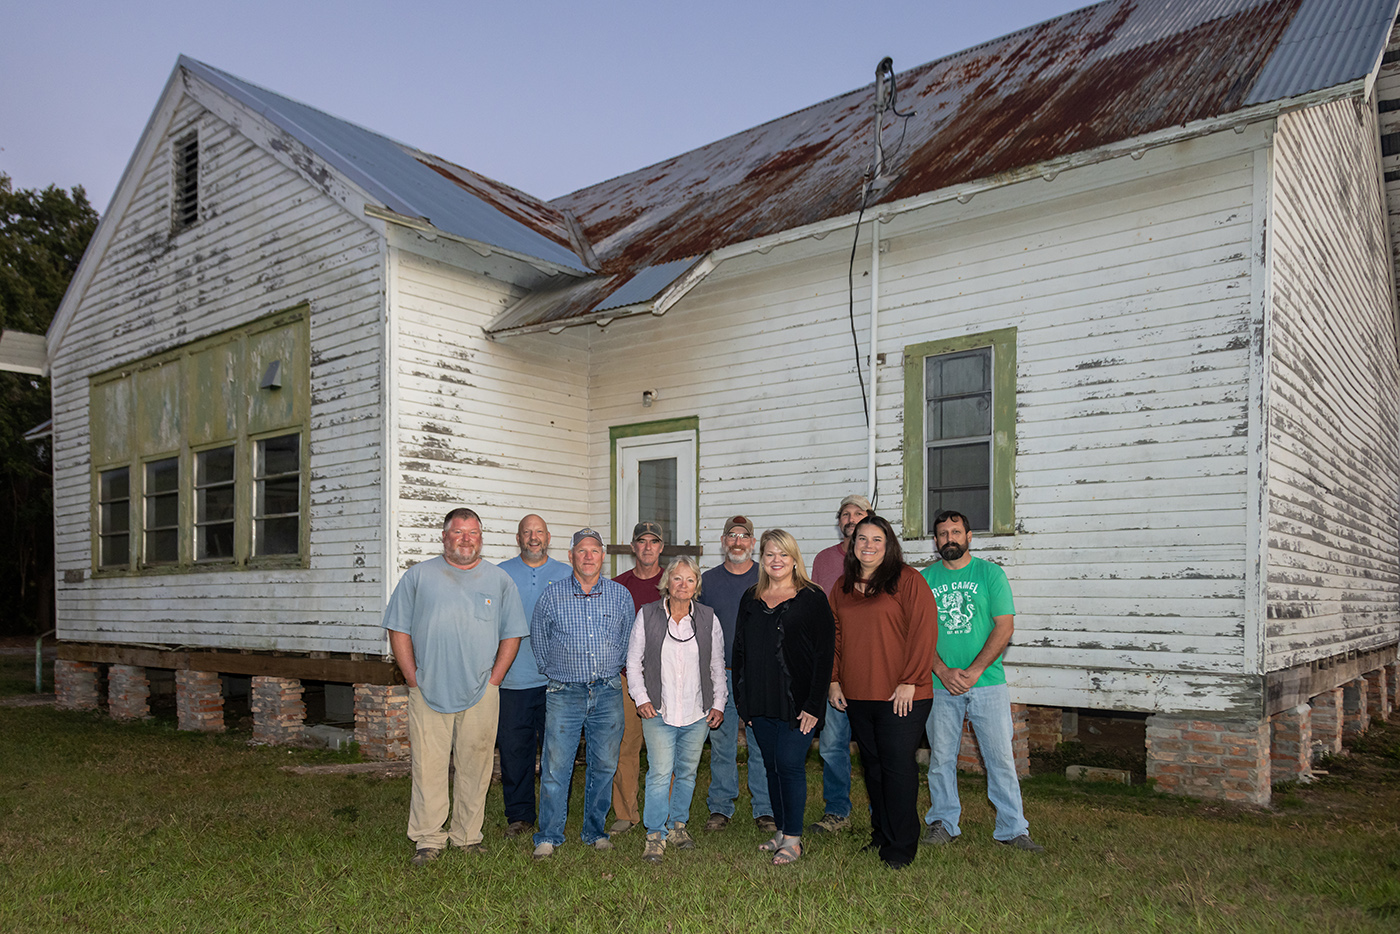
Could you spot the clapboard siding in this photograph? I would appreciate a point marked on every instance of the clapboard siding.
(1333, 540)
(497, 426)
(267, 240)
(1131, 295)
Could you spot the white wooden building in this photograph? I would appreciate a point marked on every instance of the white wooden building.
(1128, 277)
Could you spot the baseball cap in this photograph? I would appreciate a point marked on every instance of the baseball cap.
(738, 521)
(855, 499)
(647, 527)
(581, 534)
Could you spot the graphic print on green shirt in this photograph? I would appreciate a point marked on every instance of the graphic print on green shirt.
(968, 600)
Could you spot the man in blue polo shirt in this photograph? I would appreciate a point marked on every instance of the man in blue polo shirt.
(579, 634)
(521, 731)
(455, 624)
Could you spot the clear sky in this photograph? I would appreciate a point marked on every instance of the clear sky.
(545, 95)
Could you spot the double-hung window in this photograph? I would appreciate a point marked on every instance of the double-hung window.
(960, 431)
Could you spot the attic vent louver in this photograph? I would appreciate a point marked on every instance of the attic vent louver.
(186, 195)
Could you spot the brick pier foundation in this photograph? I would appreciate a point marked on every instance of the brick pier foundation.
(1047, 727)
(1291, 751)
(279, 714)
(199, 701)
(1327, 723)
(128, 692)
(381, 721)
(1378, 697)
(75, 684)
(1356, 707)
(1222, 759)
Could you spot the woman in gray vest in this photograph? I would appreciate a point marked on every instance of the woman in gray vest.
(783, 643)
(675, 674)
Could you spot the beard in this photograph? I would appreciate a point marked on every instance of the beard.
(952, 551)
(534, 554)
(737, 557)
(462, 555)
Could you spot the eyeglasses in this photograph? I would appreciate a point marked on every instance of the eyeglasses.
(737, 536)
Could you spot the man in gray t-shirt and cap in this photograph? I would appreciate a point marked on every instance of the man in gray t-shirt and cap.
(455, 624)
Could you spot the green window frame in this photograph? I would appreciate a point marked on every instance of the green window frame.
(1001, 472)
(179, 440)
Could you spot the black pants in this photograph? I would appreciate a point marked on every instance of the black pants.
(887, 745)
(519, 734)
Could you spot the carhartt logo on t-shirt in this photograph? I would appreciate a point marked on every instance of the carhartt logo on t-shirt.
(488, 601)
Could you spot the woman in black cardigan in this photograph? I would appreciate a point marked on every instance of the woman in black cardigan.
(783, 643)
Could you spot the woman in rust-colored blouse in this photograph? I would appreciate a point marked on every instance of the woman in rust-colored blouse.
(886, 637)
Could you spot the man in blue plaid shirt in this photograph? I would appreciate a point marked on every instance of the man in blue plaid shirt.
(579, 635)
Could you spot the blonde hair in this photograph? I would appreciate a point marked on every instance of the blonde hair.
(788, 545)
(664, 585)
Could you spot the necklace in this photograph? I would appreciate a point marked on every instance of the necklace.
(671, 622)
(675, 638)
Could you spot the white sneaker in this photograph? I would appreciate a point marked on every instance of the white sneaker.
(544, 851)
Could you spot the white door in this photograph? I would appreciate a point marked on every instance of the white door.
(656, 481)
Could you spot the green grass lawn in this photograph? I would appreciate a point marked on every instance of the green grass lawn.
(138, 827)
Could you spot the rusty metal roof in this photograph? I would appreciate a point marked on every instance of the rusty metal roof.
(1108, 73)
(1104, 74)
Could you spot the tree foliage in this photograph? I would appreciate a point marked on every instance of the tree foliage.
(42, 238)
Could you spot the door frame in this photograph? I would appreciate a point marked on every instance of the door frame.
(681, 429)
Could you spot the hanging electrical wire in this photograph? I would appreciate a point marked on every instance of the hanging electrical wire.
(886, 96)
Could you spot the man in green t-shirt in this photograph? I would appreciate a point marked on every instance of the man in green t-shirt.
(975, 622)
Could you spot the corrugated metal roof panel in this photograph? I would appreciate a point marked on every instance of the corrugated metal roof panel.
(648, 283)
(1098, 76)
(1327, 43)
(1107, 73)
(395, 175)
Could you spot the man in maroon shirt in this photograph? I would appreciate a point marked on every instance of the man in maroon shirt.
(642, 582)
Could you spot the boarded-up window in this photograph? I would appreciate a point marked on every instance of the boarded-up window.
(218, 450)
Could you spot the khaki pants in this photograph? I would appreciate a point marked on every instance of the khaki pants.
(469, 738)
(629, 762)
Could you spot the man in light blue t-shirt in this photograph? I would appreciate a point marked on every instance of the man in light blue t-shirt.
(455, 625)
(976, 618)
(521, 731)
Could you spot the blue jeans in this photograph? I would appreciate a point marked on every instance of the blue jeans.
(785, 754)
(835, 748)
(519, 735)
(673, 755)
(593, 710)
(724, 765)
(988, 709)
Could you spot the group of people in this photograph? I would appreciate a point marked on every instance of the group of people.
(539, 654)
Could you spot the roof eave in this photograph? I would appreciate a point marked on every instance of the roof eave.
(1135, 147)
(485, 249)
(657, 306)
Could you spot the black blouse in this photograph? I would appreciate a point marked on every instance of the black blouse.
(782, 656)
